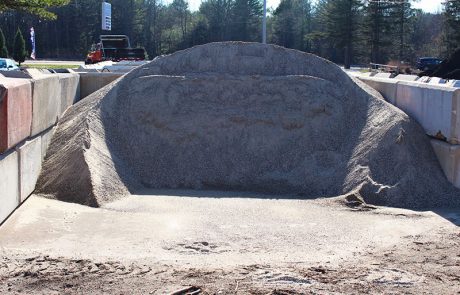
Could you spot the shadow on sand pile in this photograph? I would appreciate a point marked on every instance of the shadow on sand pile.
(242, 116)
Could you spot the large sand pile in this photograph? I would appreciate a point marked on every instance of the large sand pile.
(239, 116)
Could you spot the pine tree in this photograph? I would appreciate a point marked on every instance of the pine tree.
(198, 35)
(340, 22)
(403, 19)
(37, 7)
(378, 29)
(284, 22)
(3, 49)
(181, 12)
(218, 15)
(245, 23)
(292, 24)
(452, 25)
(19, 53)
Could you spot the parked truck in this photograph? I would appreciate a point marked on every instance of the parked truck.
(114, 48)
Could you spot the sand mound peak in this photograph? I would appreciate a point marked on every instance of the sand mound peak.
(243, 116)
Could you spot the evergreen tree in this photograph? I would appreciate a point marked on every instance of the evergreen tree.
(426, 36)
(340, 22)
(292, 24)
(218, 15)
(404, 19)
(3, 49)
(19, 53)
(318, 38)
(199, 34)
(452, 25)
(377, 29)
(37, 7)
(246, 20)
(181, 13)
(389, 29)
(284, 22)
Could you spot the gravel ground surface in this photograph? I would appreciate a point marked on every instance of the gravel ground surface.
(227, 243)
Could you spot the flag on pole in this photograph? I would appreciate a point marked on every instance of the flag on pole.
(32, 40)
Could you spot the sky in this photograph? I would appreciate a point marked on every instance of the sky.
(426, 5)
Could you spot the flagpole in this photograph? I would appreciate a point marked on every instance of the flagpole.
(264, 24)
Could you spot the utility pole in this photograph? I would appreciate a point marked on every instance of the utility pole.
(264, 24)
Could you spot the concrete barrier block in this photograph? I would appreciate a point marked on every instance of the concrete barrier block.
(434, 107)
(383, 75)
(436, 81)
(46, 140)
(15, 111)
(30, 163)
(449, 158)
(9, 184)
(407, 77)
(46, 102)
(69, 89)
(454, 83)
(15, 74)
(118, 68)
(387, 87)
(37, 73)
(424, 79)
(135, 63)
(92, 82)
(83, 70)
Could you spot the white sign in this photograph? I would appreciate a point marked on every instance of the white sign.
(106, 16)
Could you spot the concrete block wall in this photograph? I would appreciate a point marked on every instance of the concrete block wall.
(46, 137)
(386, 86)
(69, 90)
(46, 102)
(449, 158)
(434, 107)
(382, 75)
(30, 104)
(30, 163)
(437, 108)
(9, 179)
(15, 111)
(404, 77)
(91, 82)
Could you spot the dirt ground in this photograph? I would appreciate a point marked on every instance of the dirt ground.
(395, 251)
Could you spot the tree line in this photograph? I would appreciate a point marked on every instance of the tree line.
(344, 31)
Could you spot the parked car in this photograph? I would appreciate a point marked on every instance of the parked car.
(428, 63)
(7, 64)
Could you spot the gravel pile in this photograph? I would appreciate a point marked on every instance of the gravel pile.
(242, 116)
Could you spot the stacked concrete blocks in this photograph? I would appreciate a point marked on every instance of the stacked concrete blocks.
(386, 86)
(9, 179)
(30, 162)
(15, 112)
(435, 107)
(46, 102)
(92, 82)
(383, 75)
(449, 158)
(403, 77)
(69, 90)
(30, 104)
(46, 140)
